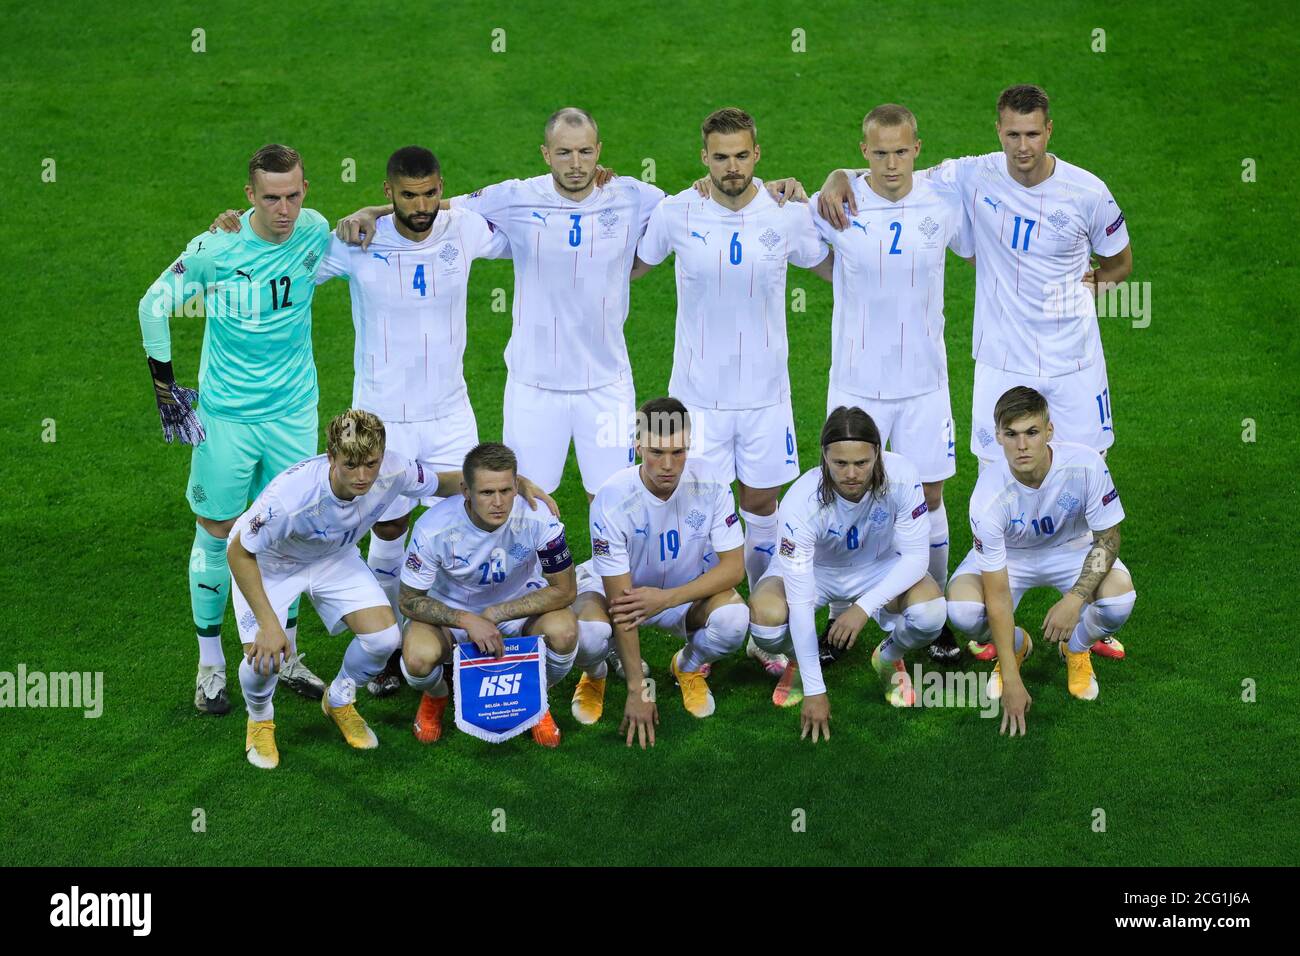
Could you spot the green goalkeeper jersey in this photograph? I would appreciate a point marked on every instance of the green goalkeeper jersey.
(257, 362)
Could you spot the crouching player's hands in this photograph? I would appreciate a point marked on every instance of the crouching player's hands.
(815, 716)
(175, 406)
(640, 713)
(1015, 705)
(269, 649)
(483, 633)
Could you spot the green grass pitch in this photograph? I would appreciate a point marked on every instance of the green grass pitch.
(150, 141)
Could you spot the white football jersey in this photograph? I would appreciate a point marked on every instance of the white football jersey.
(1032, 246)
(887, 325)
(465, 567)
(731, 349)
(663, 544)
(846, 535)
(297, 519)
(408, 309)
(573, 265)
(1011, 521)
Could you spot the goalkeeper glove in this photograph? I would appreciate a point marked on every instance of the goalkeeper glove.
(175, 406)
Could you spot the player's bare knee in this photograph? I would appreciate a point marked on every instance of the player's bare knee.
(1116, 582)
(965, 587)
(218, 529)
(561, 630)
(768, 610)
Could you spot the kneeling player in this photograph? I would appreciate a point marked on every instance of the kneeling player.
(852, 531)
(482, 565)
(300, 535)
(1048, 515)
(667, 552)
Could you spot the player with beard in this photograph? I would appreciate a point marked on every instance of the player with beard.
(730, 359)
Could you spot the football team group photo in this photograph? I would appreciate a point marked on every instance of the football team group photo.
(524, 436)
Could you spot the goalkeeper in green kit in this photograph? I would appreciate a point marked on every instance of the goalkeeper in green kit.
(256, 412)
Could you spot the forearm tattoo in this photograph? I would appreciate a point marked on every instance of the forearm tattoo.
(1097, 562)
(421, 607)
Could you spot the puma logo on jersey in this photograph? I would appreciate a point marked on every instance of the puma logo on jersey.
(993, 202)
(769, 550)
(538, 215)
(391, 574)
(703, 238)
(645, 531)
(381, 256)
(246, 275)
(861, 225)
(498, 684)
(1018, 521)
(215, 588)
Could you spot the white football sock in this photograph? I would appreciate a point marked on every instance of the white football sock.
(431, 683)
(258, 690)
(364, 658)
(558, 665)
(775, 639)
(385, 561)
(594, 643)
(723, 633)
(760, 544)
(939, 545)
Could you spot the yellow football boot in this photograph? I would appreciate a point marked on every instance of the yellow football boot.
(588, 699)
(259, 744)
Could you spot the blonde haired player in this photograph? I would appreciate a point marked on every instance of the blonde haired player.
(300, 535)
(1047, 515)
(1036, 221)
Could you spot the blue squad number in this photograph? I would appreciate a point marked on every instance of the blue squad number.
(1103, 405)
(1015, 234)
(490, 574)
(417, 281)
(1044, 525)
(897, 229)
(789, 442)
(851, 539)
(575, 234)
(735, 249)
(669, 541)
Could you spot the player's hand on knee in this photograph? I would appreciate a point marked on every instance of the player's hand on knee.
(180, 420)
(844, 632)
(1061, 620)
(1015, 706)
(485, 635)
(227, 221)
(783, 190)
(268, 650)
(815, 716)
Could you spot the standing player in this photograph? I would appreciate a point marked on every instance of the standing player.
(258, 381)
(852, 532)
(1046, 515)
(730, 356)
(408, 305)
(1036, 221)
(573, 243)
(300, 535)
(666, 545)
(483, 565)
(887, 349)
